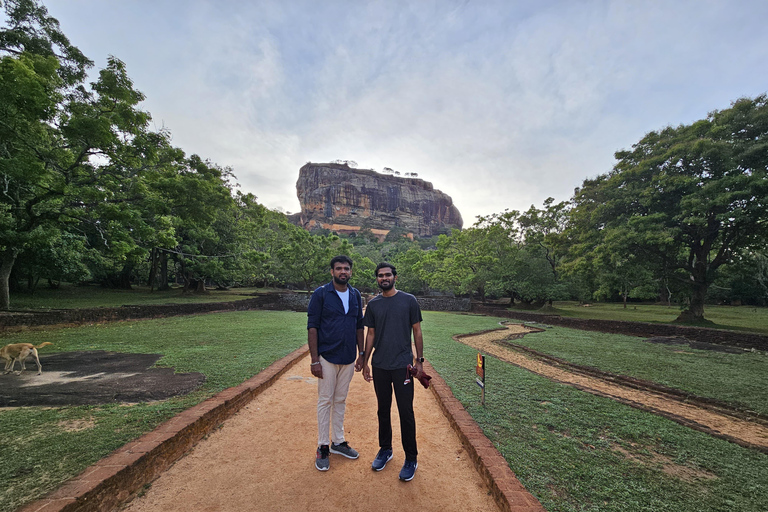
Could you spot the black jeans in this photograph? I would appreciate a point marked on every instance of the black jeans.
(384, 381)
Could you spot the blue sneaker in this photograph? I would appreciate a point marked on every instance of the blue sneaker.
(409, 469)
(381, 459)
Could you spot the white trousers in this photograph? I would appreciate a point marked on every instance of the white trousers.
(332, 392)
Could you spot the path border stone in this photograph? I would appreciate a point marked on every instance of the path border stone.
(116, 478)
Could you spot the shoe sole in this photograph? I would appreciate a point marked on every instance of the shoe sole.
(413, 475)
(385, 463)
(343, 454)
(321, 469)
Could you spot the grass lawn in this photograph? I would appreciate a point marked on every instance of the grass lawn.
(739, 318)
(42, 447)
(68, 296)
(574, 451)
(578, 452)
(736, 378)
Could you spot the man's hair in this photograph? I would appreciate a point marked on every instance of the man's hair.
(341, 259)
(384, 264)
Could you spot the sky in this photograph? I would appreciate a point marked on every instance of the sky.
(500, 104)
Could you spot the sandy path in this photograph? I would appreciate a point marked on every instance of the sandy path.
(721, 425)
(263, 459)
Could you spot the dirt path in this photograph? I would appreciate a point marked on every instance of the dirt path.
(741, 431)
(263, 459)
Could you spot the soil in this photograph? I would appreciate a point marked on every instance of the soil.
(263, 459)
(714, 419)
(94, 377)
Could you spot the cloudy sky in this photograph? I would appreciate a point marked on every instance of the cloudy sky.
(500, 104)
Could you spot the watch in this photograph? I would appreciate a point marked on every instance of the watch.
(361, 353)
(420, 359)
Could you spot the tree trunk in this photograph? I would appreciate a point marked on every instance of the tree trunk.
(7, 260)
(163, 284)
(695, 311)
(152, 269)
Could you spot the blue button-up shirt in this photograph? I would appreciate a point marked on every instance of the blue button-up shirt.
(336, 330)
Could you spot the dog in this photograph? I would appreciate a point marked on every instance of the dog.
(19, 352)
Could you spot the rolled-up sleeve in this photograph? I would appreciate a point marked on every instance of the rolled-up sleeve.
(315, 309)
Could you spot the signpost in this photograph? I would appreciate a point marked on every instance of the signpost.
(480, 370)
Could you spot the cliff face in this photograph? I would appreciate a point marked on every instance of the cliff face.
(344, 199)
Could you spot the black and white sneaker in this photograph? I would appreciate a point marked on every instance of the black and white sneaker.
(322, 462)
(345, 450)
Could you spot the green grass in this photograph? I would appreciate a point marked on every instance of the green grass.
(736, 378)
(68, 296)
(574, 451)
(568, 447)
(739, 318)
(39, 453)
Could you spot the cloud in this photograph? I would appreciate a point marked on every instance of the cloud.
(499, 105)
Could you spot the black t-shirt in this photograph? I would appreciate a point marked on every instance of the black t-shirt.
(392, 318)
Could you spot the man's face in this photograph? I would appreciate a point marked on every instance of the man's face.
(385, 278)
(341, 273)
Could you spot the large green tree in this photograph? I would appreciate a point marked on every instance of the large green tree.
(73, 156)
(685, 200)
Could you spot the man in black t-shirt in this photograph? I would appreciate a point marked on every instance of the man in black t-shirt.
(391, 317)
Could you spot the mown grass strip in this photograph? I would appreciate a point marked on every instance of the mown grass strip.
(738, 318)
(735, 378)
(69, 296)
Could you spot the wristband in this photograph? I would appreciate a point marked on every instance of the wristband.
(361, 353)
(314, 364)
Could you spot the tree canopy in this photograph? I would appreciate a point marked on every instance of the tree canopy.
(684, 201)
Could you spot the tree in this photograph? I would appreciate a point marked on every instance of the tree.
(685, 200)
(73, 158)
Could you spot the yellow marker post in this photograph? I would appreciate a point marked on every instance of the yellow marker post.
(480, 370)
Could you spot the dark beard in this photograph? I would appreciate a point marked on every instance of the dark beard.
(339, 281)
(387, 287)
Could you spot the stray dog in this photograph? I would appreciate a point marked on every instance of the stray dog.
(19, 352)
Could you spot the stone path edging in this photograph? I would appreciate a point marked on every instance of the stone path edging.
(112, 480)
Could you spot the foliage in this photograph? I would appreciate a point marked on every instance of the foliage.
(684, 200)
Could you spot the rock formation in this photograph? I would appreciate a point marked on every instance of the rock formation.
(345, 200)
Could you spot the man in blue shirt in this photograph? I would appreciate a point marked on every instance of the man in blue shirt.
(335, 338)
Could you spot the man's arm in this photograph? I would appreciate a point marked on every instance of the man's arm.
(368, 350)
(314, 312)
(360, 350)
(418, 340)
(315, 367)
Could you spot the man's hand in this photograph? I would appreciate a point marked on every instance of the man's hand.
(367, 373)
(419, 369)
(359, 363)
(317, 370)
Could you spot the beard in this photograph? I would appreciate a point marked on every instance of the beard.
(340, 280)
(387, 287)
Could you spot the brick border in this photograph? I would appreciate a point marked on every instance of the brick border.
(116, 478)
(507, 490)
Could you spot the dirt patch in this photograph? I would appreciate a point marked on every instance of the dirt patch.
(263, 458)
(95, 377)
(76, 425)
(699, 345)
(685, 473)
(710, 418)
